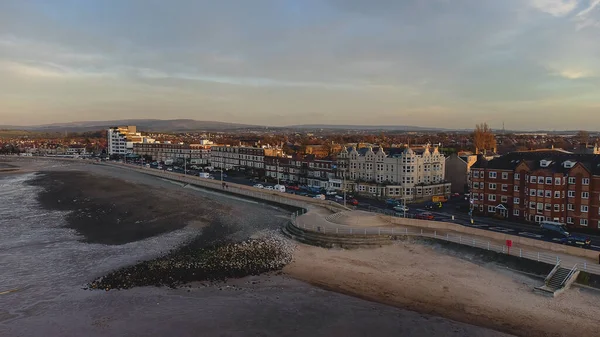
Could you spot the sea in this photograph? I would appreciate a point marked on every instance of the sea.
(42, 261)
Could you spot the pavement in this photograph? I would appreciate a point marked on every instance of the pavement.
(445, 214)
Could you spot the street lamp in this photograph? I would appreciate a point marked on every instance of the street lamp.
(277, 173)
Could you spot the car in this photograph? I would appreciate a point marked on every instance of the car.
(400, 208)
(433, 205)
(425, 216)
(270, 188)
(555, 228)
(338, 197)
(456, 194)
(258, 186)
(331, 192)
(353, 202)
(576, 240)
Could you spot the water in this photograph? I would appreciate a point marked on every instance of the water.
(41, 260)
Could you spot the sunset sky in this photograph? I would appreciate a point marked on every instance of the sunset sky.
(533, 64)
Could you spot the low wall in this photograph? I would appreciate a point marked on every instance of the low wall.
(447, 226)
(233, 188)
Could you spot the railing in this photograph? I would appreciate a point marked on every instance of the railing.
(426, 233)
(552, 273)
(573, 270)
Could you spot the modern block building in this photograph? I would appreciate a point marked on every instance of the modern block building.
(244, 158)
(538, 186)
(395, 172)
(193, 153)
(121, 139)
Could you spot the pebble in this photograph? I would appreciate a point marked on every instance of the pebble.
(268, 252)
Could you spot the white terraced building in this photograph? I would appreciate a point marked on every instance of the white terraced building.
(120, 139)
(409, 174)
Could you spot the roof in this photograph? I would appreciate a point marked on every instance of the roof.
(511, 160)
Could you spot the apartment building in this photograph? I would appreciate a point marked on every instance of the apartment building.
(121, 139)
(538, 186)
(395, 172)
(243, 158)
(194, 153)
(305, 170)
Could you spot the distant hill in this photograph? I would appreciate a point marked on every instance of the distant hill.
(366, 127)
(150, 125)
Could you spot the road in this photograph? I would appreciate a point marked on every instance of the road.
(448, 213)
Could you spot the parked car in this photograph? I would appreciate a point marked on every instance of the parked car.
(258, 186)
(434, 205)
(577, 240)
(554, 227)
(270, 188)
(331, 193)
(319, 196)
(425, 216)
(353, 202)
(401, 208)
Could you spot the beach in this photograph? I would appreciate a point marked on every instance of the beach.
(85, 221)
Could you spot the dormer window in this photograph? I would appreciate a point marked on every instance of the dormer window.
(569, 164)
(545, 163)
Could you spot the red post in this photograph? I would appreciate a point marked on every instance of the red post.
(508, 245)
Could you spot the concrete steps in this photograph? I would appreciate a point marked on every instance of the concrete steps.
(559, 280)
(334, 218)
(331, 240)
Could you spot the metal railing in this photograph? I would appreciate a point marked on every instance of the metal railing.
(460, 239)
(573, 270)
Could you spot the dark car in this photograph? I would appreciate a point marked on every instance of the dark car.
(577, 240)
(433, 205)
(353, 202)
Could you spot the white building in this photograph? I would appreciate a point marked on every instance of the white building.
(400, 173)
(122, 138)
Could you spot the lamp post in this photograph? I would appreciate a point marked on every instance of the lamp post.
(344, 182)
(277, 173)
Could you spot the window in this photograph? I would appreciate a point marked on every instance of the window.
(540, 206)
(571, 194)
(547, 207)
(562, 207)
(585, 195)
(503, 199)
(569, 220)
(504, 175)
(532, 205)
(516, 201)
(517, 176)
(491, 197)
(504, 187)
(540, 193)
(584, 208)
(540, 180)
(556, 207)
(583, 222)
(475, 185)
(532, 192)
(556, 181)
(548, 180)
(491, 209)
(516, 188)
(532, 179)
(571, 180)
(557, 194)
(548, 194)
(475, 174)
(570, 207)
(492, 186)
(516, 213)
(585, 181)
(493, 175)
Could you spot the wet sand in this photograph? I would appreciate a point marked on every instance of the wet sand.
(53, 303)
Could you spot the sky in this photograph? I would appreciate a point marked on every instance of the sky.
(530, 64)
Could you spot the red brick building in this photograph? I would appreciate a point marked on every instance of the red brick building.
(537, 186)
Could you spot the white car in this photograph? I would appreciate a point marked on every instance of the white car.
(401, 208)
(258, 186)
(270, 188)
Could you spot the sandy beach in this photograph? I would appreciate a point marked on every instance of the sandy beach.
(110, 211)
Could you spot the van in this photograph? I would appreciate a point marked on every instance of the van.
(554, 227)
(438, 198)
(279, 188)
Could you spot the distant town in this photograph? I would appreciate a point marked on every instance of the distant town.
(493, 169)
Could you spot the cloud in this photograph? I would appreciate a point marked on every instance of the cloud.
(584, 18)
(556, 8)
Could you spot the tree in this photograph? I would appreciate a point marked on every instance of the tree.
(583, 137)
(483, 138)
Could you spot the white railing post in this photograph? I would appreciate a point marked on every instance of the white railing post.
(585, 266)
(435, 234)
(379, 231)
(337, 230)
(473, 242)
(421, 231)
(460, 239)
(520, 252)
(350, 230)
(538, 257)
(557, 259)
(488, 245)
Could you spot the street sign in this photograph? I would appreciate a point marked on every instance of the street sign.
(508, 243)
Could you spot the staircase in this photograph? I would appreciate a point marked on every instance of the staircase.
(558, 280)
